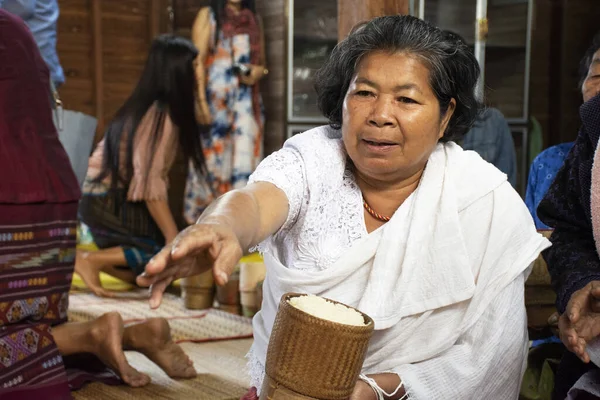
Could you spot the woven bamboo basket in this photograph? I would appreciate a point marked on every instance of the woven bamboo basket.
(312, 358)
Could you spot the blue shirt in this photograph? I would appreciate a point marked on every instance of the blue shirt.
(541, 175)
(41, 17)
(491, 138)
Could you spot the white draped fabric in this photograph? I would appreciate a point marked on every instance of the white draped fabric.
(443, 279)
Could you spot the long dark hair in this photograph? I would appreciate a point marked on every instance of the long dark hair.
(218, 8)
(168, 81)
(453, 68)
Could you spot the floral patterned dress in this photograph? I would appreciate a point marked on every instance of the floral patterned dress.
(234, 147)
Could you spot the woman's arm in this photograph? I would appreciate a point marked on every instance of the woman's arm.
(161, 214)
(387, 382)
(252, 213)
(236, 221)
(201, 38)
(231, 225)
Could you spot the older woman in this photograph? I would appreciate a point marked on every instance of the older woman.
(572, 208)
(382, 211)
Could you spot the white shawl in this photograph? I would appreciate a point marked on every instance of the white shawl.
(414, 276)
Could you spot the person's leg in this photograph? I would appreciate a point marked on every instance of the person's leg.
(153, 339)
(102, 337)
(89, 264)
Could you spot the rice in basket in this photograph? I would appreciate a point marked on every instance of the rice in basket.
(316, 349)
(324, 309)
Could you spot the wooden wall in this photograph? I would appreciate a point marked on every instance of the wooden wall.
(351, 12)
(562, 31)
(273, 87)
(102, 47)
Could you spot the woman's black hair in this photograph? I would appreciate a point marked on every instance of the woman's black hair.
(586, 61)
(454, 70)
(218, 8)
(167, 81)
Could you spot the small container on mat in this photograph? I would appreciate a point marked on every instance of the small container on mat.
(252, 271)
(198, 291)
(313, 358)
(228, 295)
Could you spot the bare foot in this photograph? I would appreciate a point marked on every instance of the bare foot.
(107, 334)
(153, 339)
(90, 273)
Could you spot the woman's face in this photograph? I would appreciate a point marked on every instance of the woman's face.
(391, 119)
(591, 85)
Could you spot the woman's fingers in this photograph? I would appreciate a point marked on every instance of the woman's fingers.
(159, 262)
(187, 243)
(191, 241)
(567, 333)
(225, 262)
(193, 251)
(581, 351)
(145, 280)
(578, 301)
(156, 291)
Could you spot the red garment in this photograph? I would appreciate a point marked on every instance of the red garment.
(39, 196)
(33, 164)
(243, 22)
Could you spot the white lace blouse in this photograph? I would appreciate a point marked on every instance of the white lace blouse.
(325, 216)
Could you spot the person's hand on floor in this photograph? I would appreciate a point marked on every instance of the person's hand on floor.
(580, 323)
(195, 250)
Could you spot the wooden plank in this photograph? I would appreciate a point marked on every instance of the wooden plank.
(98, 68)
(273, 85)
(351, 12)
(155, 14)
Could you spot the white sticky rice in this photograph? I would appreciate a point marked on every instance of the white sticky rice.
(321, 308)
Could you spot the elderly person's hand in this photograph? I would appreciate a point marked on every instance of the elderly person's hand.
(580, 322)
(195, 250)
(232, 224)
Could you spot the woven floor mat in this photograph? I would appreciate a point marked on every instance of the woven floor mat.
(221, 376)
(186, 325)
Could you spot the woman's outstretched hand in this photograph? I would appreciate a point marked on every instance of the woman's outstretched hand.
(195, 250)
